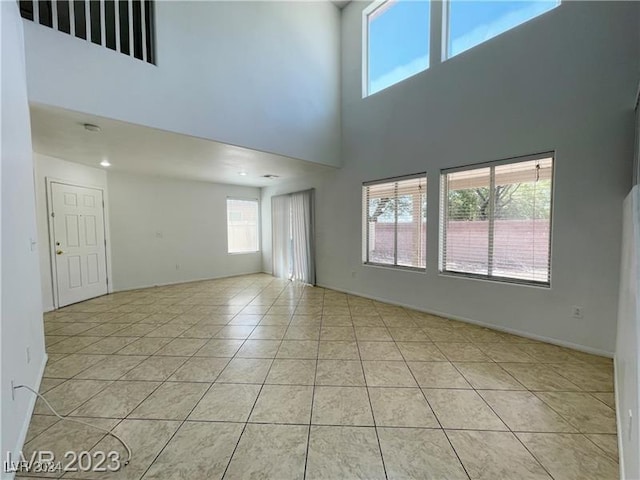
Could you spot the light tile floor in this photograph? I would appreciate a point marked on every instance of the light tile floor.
(253, 377)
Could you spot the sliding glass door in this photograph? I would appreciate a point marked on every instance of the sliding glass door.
(293, 227)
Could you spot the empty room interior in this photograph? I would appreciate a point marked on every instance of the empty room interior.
(383, 239)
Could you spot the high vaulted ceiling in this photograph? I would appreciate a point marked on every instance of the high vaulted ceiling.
(147, 151)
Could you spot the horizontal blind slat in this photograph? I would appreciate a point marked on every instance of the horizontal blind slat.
(519, 208)
(395, 221)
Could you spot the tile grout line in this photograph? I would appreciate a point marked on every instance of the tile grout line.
(454, 429)
(313, 396)
(513, 434)
(154, 390)
(182, 423)
(195, 405)
(510, 430)
(470, 341)
(475, 390)
(246, 423)
(375, 423)
(464, 468)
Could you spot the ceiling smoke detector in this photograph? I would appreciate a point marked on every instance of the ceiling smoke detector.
(91, 127)
(270, 176)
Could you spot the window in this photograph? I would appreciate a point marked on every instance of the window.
(242, 225)
(395, 221)
(474, 22)
(496, 220)
(397, 42)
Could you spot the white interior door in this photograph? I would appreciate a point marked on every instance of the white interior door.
(79, 243)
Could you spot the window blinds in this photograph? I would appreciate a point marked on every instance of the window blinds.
(293, 241)
(394, 221)
(496, 220)
(242, 226)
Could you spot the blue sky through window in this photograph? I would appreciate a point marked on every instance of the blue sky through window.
(398, 33)
(398, 42)
(474, 22)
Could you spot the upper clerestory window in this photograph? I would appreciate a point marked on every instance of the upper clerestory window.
(397, 35)
(397, 40)
(471, 23)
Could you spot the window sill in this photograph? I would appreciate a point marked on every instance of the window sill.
(396, 267)
(502, 280)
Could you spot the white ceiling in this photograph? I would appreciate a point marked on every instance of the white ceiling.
(142, 150)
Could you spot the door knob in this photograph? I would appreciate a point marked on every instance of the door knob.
(59, 252)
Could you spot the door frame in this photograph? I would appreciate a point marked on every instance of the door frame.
(50, 227)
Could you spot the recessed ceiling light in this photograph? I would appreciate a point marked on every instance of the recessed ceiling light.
(244, 174)
(105, 163)
(91, 127)
(271, 176)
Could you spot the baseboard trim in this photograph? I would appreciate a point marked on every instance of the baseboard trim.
(194, 280)
(167, 284)
(32, 404)
(500, 328)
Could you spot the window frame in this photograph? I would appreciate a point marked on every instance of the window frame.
(444, 216)
(258, 224)
(365, 224)
(438, 29)
(366, 12)
(446, 29)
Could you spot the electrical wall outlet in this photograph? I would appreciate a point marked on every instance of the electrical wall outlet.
(28, 354)
(576, 311)
(13, 390)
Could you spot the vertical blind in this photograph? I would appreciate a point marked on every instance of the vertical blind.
(126, 26)
(242, 226)
(303, 237)
(293, 241)
(281, 236)
(395, 219)
(496, 220)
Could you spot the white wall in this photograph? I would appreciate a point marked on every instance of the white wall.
(627, 360)
(540, 87)
(160, 223)
(21, 325)
(73, 173)
(189, 216)
(263, 75)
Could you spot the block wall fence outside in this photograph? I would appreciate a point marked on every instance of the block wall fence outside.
(527, 241)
